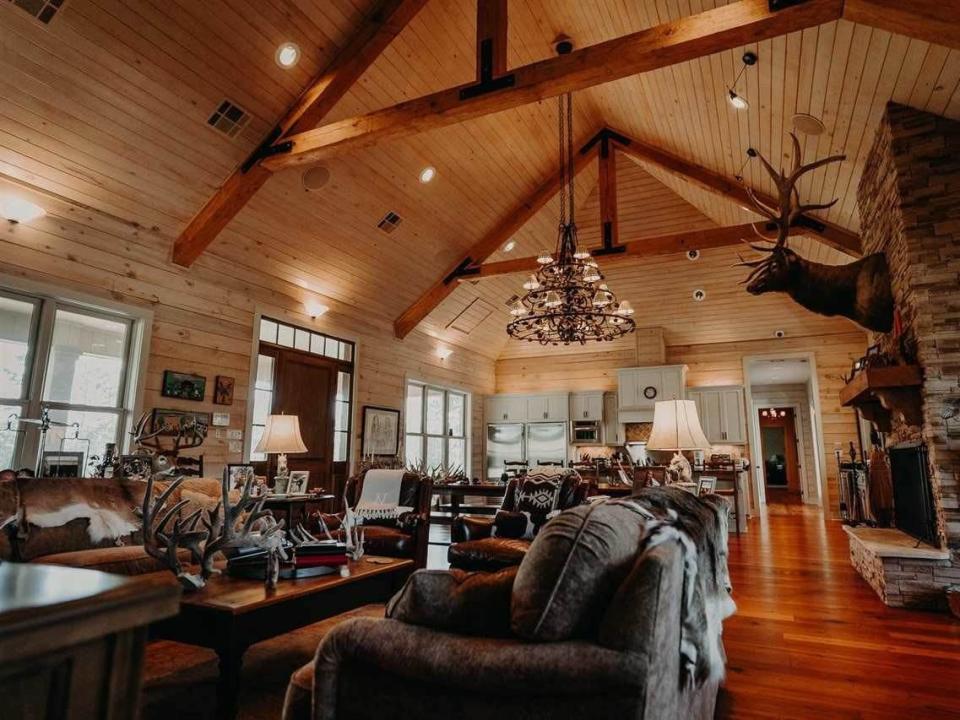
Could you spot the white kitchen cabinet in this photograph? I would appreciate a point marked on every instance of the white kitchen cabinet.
(612, 429)
(721, 413)
(548, 408)
(586, 406)
(506, 408)
(641, 388)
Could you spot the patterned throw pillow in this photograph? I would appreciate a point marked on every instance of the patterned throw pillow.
(538, 497)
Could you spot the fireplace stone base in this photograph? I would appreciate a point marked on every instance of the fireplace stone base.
(902, 571)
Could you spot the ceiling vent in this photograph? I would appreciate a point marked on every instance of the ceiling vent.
(390, 222)
(42, 10)
(229, 119)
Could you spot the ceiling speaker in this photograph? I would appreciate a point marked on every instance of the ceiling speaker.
(316, 177)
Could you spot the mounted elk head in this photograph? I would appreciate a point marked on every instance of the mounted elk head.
(859, 291)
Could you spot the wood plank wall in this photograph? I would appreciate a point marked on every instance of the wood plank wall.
(203, 317)
(709, 364)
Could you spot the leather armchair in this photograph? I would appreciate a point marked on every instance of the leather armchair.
(474, 546)
(405, 537)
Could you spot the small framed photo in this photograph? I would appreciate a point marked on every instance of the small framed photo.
(183, 386)
(381, 432)
(707, 485)
(135, 466)
(237, 475)
(299, 479)
(223, 390)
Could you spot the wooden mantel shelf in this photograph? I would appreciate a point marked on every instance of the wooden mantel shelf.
(886, 392)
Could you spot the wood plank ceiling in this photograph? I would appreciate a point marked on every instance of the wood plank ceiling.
(107, 107)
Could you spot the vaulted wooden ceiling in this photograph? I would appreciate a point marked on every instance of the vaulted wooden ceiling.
(107, 107)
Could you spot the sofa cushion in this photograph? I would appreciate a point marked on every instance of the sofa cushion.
(471, 603)
(507, 524)
(127, 560)
(490, 554)
(572, 570)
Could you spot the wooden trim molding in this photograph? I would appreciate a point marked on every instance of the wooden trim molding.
(309, 109)
(705, 33)
(833, 235)
(932, 20)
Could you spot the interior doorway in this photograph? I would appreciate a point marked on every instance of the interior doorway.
(779, 448)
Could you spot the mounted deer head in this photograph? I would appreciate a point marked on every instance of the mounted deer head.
(859, 291)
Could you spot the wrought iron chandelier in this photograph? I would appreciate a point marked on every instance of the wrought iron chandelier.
(567, 300)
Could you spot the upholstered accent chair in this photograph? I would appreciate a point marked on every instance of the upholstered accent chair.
(588, 626)
(477, 542)
(405, 537)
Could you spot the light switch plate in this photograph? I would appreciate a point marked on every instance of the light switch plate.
(234, 434)
(221, 419)
(235, 446)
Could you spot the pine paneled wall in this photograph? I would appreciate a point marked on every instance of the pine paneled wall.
(203, 317)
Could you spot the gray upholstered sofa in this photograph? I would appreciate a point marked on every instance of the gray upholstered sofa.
(588, 626)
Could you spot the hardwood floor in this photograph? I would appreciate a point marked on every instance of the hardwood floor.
(812, 640)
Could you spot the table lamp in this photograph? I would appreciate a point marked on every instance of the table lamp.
(676, 426)
(281, 436)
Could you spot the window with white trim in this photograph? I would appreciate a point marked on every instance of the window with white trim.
(72, 361)
(437, 427)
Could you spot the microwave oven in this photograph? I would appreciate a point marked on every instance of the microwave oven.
(586, 432)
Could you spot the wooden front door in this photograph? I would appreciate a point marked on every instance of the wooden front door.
(779, 449)
(306, 386)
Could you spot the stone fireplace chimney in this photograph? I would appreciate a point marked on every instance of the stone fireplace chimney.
(909, 202)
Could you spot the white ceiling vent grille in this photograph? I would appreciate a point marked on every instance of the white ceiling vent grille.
(389, 222)
(42, 10)
(229, 118)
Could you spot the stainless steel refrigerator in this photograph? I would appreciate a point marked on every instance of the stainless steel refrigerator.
(533, 443)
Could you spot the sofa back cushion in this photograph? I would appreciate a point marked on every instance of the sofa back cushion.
(573, 568)
(62, 514)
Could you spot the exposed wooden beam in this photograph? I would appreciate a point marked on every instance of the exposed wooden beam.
(935, 21)
(833, 235)
(705, 33)
(609, 227)
(491, 39)
(641, 247)
(310, 108)
(489, 244)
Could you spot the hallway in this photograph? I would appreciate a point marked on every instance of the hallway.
(812, 640)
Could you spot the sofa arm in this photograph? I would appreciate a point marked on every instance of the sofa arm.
(470, 527)
(468, 665)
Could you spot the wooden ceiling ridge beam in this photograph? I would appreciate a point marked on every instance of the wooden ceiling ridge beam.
(641, 247)
(366, 45)
(833, 235)
(934, 21)
(722, 28)
(469, 264)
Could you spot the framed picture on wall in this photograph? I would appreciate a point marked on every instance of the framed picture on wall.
(172, 422)
(223, 390)
(183, 385)
(380, 434)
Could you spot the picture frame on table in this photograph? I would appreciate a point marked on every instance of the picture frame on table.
(380, 432)
(237, 475)
(706, 485)
(298, 482)
(184, 386)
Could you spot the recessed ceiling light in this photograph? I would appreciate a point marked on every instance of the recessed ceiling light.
(699, 295)
(17, 210)
(808, 124)
(779, 333)
(693, 254)
(428, 174)
(287, 55)
(510, 245)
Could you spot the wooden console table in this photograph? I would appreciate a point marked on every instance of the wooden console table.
(71, 640)
(231, 614)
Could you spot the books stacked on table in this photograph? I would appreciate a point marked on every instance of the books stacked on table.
(309, 560)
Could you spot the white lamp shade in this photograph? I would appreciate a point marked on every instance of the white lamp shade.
(676, 426)
(281, 435)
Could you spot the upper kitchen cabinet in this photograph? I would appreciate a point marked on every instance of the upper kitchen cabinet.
(506, 408)
(548, 408)
(721, 413)
(586, 406)
(641, 388)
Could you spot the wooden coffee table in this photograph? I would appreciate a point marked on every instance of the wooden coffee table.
(231, 614)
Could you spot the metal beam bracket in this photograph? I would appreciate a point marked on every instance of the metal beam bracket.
(482, 88)
(268, 148)
(464, 269)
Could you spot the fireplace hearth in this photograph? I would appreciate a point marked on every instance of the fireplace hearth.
(913, 507)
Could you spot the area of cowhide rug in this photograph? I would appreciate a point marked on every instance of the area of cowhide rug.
(180, 680)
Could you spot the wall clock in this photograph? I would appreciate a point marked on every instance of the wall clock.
(649, 392)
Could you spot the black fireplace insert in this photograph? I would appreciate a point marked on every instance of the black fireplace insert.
(913, 492)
